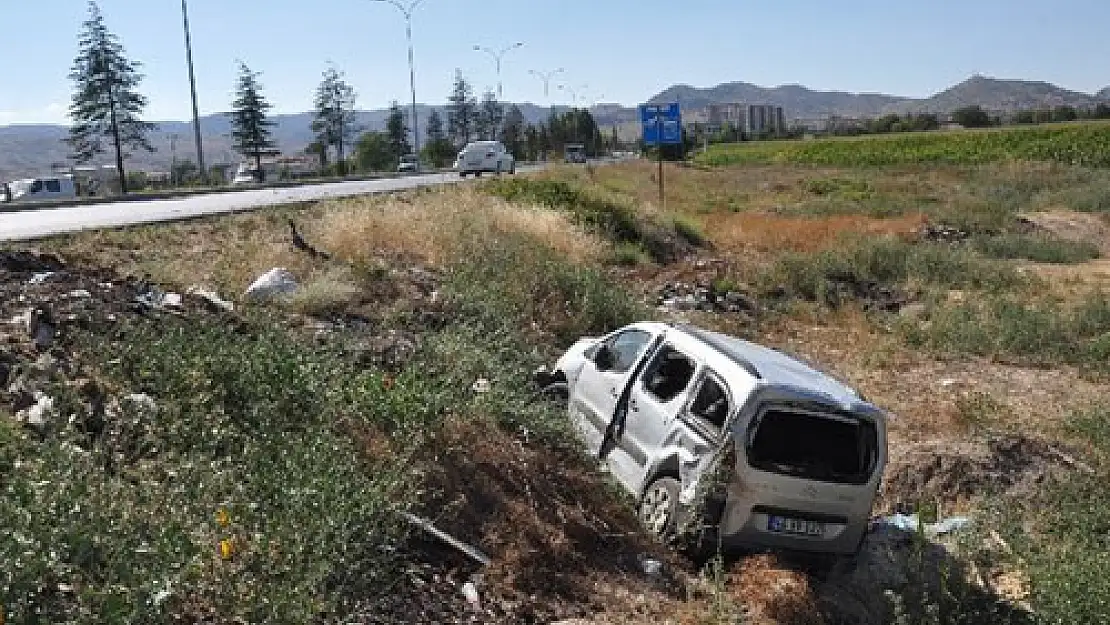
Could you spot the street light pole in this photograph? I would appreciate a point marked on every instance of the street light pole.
(193, 90)
(546, 77)
(407, 12)
(497, 56)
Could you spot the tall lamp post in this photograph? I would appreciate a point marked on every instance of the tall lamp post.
(546, 77)
(407, 11)
(497, 56)
(193, 90)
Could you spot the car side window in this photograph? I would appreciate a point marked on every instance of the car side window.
(626, 347)
(711, 403)
(36, 186)
(53, 186)
(669, 374)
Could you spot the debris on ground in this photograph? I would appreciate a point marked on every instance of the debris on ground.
(942, 233)
(274, 283)
(911, 523)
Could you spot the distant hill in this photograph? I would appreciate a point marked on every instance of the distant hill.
(796, 101)
(799, 102)
(1001, 95)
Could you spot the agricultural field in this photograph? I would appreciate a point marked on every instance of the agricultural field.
(1085, 144)
(201, 462)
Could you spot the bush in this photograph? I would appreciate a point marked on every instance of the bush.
(887, 261)
(245, 493)
(617, 222)
(689, 230)
(1036, 247)
(1007, 329)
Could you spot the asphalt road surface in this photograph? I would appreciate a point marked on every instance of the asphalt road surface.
(35, 224)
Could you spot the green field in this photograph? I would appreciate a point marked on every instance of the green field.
(1084, 144)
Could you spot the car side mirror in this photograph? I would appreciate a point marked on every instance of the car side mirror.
(604, 359)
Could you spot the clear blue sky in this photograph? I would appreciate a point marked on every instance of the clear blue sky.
(625, 50)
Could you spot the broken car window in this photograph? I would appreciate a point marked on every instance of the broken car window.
(626, 347)
(711, 403)
(669, 374)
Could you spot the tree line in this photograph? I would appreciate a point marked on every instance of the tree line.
(107, 106)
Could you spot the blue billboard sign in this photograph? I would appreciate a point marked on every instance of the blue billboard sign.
(662, 124)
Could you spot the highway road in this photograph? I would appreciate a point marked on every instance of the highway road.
(33, 224)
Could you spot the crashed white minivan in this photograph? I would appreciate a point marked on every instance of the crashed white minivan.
(733, 440)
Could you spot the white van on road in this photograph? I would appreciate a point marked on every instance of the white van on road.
(485, 156)
(38, 189)
(732, 441)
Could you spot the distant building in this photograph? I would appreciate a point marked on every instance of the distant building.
(764, 119)
(732, 114)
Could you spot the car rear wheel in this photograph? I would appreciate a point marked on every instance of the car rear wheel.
(659, 508)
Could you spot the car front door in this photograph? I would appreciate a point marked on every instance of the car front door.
(601, 381)
(655, 401)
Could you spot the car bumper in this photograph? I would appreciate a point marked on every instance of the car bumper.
(752, 526)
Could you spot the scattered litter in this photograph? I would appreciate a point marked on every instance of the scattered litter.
(948, 382)
(172, 300)
(79, 294)
(909, 523)
(39, 278)
(651, 566)
(471, 593)
(427, 526)
(143, 401)
(40, 325)
(36, 415)
(481, 385)
(277, 281)
(212, 298)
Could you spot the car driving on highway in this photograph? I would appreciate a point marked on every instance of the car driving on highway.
(479, 157)
(725, 439)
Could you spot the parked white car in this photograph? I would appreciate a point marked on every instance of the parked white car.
(725, 440)
(485, 156)
(38, 189)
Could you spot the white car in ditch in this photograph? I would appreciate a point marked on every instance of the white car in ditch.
(730, 442)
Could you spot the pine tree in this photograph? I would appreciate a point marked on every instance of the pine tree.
(490, 116)
(398, 132)
(437, 148)
(335, 115)
(250, 123)
(461, 109)
(106, 104)
(512, 130)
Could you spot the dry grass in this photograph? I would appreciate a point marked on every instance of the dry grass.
(774, 233)
(227, 253)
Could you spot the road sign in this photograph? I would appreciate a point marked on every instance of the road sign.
(662, 124)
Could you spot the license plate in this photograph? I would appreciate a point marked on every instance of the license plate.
(787, 525)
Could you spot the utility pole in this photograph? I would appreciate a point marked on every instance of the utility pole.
(193, 90)
(173, 160)
(546, 77)
(497, 56)
(407, 12)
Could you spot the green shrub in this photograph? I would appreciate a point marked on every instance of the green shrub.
(629, 255)
(887, 261)
(124, 508)
(617, 222)
(1005, 328)
(689, 230)
(1036, 247)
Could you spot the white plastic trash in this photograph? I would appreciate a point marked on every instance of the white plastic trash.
(275, 282)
